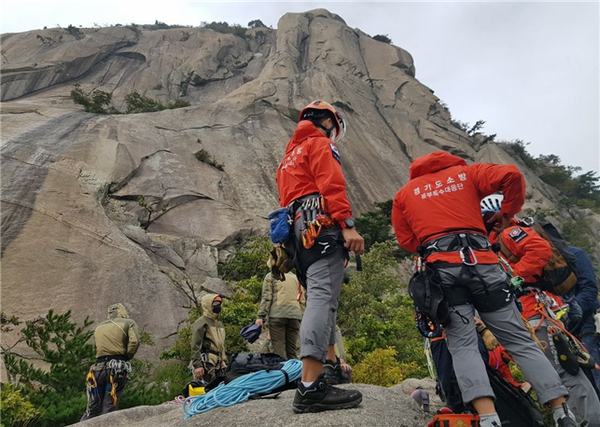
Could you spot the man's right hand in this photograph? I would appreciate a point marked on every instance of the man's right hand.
(259, 322)
(353, 241)
(500, 222)
(198, 373)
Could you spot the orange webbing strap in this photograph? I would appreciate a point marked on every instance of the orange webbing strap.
(555, 324)
(90, 379)
(532, 331)
(442, 337)
(113, 390)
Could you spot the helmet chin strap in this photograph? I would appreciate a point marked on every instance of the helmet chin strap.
(327, 130)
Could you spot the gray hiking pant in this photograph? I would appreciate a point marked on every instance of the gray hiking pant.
(583, 400)
(506, 324)
(323, 286)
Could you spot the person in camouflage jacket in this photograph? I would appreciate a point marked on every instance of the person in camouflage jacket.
(117, 340)
(208, 341)
(284, 308)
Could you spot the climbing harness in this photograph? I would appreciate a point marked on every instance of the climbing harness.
(572, 354)
(118, 375)
(117, 372)
(243, 388)
(312, 214)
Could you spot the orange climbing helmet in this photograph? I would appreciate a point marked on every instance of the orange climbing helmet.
(320, 109)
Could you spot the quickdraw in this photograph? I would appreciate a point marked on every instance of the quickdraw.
(313, 220)
(90, 382)
(546, 306)
(119, 374)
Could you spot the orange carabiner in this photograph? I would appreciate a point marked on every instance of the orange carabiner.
(314, 231)
(307, 239)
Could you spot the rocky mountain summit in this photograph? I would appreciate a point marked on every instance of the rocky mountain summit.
(98, 209)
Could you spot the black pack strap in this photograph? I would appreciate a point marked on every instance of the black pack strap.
(103, 359)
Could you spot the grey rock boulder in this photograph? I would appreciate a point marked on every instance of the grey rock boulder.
(382, 407)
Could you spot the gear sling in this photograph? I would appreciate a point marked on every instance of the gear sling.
(117, 371)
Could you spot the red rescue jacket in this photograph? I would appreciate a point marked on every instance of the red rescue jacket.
(499, 359)
(443, 197)
(533, 252)
(311, 165)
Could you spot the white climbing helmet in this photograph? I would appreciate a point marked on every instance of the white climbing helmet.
(492, 203)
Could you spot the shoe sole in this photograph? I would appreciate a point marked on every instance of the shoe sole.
(318, 407)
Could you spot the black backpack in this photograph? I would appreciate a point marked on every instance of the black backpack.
(247, 363)
(428, 295)
(514, 407)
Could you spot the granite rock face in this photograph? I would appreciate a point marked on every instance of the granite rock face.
(106, 208)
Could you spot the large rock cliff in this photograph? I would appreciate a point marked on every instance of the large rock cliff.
(74, 235)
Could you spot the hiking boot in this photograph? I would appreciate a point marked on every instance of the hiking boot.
(321, 396)
(332, 372)
(566, 422)
(567, 419)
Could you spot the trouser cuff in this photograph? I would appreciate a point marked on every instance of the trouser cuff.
(314, 352)
(546, 396)
(477, 392)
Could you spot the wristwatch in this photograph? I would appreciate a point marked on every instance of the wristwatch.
(347, 223)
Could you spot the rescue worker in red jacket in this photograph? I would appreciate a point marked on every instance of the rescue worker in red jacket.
(528, 254)
(311, 184)
(437, 214)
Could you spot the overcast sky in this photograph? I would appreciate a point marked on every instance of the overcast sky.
(529, 69)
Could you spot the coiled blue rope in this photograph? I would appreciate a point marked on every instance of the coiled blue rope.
(240, 389)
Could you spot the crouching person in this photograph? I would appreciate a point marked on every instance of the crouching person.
(208, 341)
(117, 340)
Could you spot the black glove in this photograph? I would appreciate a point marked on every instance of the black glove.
(573, 315)
(575, 312)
